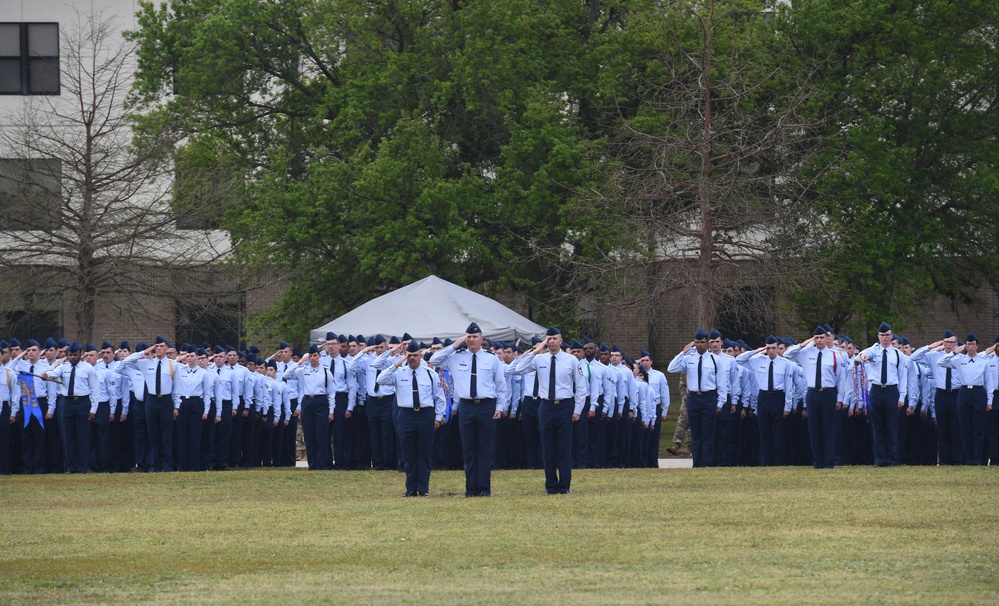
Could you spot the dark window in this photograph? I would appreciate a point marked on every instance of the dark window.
(30, 194)
(218, 321)
(29, 58)
(746, 313)
(34, 323)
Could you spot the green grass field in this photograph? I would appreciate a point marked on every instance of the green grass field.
(787, 535)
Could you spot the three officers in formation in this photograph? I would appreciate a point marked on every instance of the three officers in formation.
(470, 404)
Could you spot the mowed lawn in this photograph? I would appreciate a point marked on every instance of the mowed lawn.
(788, 535)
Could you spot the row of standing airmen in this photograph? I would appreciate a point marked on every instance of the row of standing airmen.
(760, 411)
(887, 404)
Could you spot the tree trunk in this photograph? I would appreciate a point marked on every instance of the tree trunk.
(704, 282)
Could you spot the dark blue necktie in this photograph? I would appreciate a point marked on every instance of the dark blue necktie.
(72, 380)
(416, 392)
(818, 371)
(159, 382)
(551, 380)
(700, 367)
(472, 391)
(884, 367)
(770, 385)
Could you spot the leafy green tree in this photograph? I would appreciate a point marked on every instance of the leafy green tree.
(380, 141)
(909, 183)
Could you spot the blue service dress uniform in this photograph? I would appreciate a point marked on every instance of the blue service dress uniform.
(563, 391)
(420, 400)
(481, 389)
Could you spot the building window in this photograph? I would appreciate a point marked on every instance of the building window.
(216, 320)
(29, 58)
(39, 321)
(30, 194)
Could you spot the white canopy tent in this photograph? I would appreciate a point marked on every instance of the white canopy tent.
(430, 308)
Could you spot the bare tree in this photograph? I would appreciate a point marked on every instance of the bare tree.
(92, 210)
(702, 184)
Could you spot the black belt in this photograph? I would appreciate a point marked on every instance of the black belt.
(477, 400)
(974, 387)
(415, 408)
(771, 391)
(705, 392)
(76, 398)
(820, 389)
(316, 395)
(186, 398)
(555, 402)
(884, 386)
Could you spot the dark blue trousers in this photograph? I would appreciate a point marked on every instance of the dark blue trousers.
(76, 432)
(478, 436)
(340, 434)
(821, 407)
(653, 437)
(727, 435)
(625, 425)
(159, 421)
(208, 439)
(884, 424)
(597, 441)
(555, 422)
(140, 430)
(55, 443)
(611, 455)
(189, 433)
(251, 439)
(100, 440)
(581, 440)
(770, 410)
(948, 427)
(971, 405)
(122, 439)
(236, 439)
(992, 429)
(265, 445)
(236, 433)
(382, 430)
(5, 448)
(289, 444)
(33, 440)
(532, 435)
(223, 435)
(702, 413)
(416, 436)
(316, 431)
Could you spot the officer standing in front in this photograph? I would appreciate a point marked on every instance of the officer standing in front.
(562, 388)
(420, 400)
(479, 381)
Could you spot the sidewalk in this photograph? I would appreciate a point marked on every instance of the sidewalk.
(671, 463)
(676, 463)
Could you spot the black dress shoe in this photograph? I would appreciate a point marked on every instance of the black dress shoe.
(410, 494)
(424, 494)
